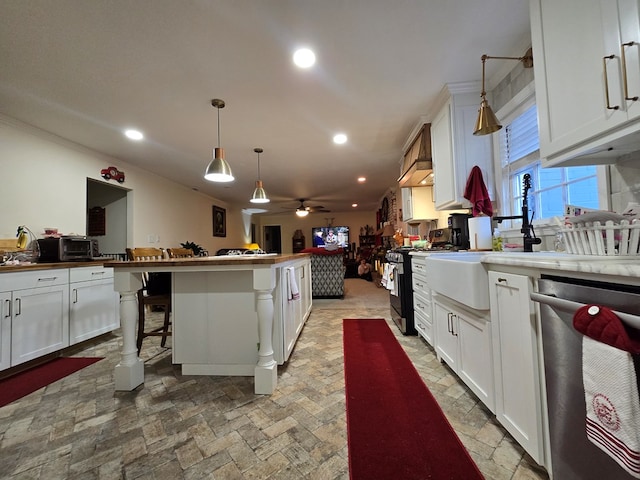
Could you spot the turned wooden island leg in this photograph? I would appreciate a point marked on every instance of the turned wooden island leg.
(129, 373)
(266, 371)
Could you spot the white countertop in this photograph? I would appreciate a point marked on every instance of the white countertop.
(617, 266)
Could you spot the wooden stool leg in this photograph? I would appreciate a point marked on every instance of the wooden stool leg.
(165, 330)
(141, 307)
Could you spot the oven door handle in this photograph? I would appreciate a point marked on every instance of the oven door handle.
(572, 307)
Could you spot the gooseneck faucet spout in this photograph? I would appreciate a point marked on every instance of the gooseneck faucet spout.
(529, 235)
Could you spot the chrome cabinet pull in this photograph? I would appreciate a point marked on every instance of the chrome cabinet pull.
(606, 82)
(18, 306)
(624, 71)
(7, 304)
(452, 332)
(75, 295)
(98, 273)
(449, 327)
(47, 279)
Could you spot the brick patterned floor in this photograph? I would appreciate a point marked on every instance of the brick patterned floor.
(194, 427)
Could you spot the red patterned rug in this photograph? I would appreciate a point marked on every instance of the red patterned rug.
(396, 429)
(23, 383)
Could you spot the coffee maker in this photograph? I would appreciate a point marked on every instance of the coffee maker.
(459, 226)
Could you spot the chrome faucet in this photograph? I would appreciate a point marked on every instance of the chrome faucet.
(529, 235)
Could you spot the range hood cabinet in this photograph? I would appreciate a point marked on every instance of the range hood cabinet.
(417, 165)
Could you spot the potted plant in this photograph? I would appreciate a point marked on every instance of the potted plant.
(198, 251)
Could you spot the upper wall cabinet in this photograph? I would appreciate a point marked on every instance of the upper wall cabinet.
(455, 149)
(586, 60)
(417, 204)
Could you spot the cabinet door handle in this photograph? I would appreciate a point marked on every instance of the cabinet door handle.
(98, 273)
(449, 323)
(18, 306)
(7, 304)
(47, 279)
(606, 82)
(502, 280)
(624, 71)
(452, 331)
(75, 295)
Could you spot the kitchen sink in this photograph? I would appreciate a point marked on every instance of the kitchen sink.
(460, 276)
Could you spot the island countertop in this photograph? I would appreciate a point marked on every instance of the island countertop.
(213, 261)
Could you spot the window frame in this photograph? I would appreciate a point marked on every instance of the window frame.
(503, 185)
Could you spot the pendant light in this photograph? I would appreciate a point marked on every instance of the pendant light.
(259, 195)
(218, 169)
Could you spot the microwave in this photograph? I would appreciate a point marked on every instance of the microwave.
(65, 249)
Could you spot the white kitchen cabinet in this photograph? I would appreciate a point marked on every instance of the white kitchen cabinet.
(422, 306)
(455, 149)
(5, 330)
(93, 305)
(578, 47)
(463, 341)
(515, 361)
(294, 312)
(39, 308)
(417, 204)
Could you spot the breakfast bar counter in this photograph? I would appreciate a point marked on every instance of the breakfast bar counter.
(222, 314)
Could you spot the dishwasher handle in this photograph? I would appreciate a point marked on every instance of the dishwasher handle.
(569, 306)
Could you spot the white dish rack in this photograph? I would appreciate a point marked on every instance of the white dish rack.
(608, 239)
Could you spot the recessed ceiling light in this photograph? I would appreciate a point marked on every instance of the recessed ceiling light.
(304, 58)
(362, 179)
(134, 134)
(339, 138)
(354, 205)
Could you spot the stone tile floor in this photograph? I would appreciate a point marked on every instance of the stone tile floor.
(192, 427)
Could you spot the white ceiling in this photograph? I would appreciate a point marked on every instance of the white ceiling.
(86, 70)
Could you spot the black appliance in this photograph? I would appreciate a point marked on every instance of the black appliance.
(402, 303)
(457, 222)
(65, 249)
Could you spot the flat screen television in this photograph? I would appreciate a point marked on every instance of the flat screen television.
(323, 236)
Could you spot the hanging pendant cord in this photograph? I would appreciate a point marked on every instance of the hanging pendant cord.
(218, 126)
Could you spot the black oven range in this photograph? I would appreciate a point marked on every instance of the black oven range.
(402, 303)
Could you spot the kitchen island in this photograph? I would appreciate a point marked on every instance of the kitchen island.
(225, 314)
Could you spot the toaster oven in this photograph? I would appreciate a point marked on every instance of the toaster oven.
(65, 249)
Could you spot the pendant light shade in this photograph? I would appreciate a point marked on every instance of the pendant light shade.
(218, 169)
(259, 195)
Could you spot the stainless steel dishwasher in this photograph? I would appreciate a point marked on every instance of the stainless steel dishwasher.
(573, 456)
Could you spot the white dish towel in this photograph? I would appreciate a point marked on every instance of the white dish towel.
(610, 386)
(294, 292)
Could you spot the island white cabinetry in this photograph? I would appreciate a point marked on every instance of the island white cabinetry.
(93, 304)
(217, 312)
(294, 311)
(463, 341)
(423, 313)
(515, 355)
(37, 307)
(455, 149)
(585, 56)
(417, 204)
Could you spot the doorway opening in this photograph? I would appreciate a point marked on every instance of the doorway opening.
(107, 214)
(272, 239)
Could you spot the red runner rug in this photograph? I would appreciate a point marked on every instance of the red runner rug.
(24, 383)
(395, 427)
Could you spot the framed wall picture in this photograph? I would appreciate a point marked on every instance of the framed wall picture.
(219, 222)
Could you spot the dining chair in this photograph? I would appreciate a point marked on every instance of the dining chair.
(155, 292)
(180, 252)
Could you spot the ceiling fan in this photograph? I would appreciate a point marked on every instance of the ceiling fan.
(304, 210)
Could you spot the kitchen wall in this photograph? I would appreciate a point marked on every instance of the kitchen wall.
(45, 183)
(625, 181)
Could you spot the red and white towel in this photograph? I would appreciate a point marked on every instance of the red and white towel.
(294, 292)
(610, 385)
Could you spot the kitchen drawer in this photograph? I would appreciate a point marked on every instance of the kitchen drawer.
(418, 266)
(422, 304)
(424, 326)
(85, 274)
(419, 282)
(26, 280)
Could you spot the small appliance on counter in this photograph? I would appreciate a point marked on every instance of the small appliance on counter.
(458, 223)
(65, 249)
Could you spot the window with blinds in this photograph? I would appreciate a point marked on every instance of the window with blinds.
(552, 188)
